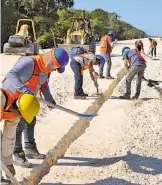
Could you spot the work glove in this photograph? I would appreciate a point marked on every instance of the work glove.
(11, 169)
(95, 75)
(96, 84)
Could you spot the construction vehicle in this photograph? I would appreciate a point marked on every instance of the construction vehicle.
(80, 33)
(22, 43)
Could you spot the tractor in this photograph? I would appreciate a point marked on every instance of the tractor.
(22, 42)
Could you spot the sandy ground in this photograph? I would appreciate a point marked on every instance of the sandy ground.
(123, 144)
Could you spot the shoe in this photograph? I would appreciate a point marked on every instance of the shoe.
(125, 96)
(5, 181)
(110, 78)
(135, 96)
(101, 77)
(34, 154)
(83, 94)
(79, 97)
(20, 160)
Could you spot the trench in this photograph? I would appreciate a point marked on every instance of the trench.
(73, 134)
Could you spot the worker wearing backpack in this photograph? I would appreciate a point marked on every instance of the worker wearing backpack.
(81, 60)
(153, 45)
(105, 50)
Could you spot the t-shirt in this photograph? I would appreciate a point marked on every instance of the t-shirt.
(131, 55)
(84, 59)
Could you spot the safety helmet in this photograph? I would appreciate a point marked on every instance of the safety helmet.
(61, 57)
(28, 106)
(111, 32)
(100, 58)
(123, 49)
(139, 42)
(149, 38)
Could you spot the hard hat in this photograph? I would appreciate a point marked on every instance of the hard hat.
(28, 106)
(123, 49)
(139, 42)
(61, 56)
(100, 58)
(149, 38)
(111, 32)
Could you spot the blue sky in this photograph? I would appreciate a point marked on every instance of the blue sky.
(143, 14)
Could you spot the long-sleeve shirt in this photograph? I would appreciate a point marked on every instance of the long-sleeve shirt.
(22, 72)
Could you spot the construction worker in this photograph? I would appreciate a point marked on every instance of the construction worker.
(106, 46)
(139, 46)
(31, 74)
(152, 48)
(13, 106)
(135, 64)
(78, 65)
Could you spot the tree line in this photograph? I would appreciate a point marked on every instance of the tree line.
(53, 19)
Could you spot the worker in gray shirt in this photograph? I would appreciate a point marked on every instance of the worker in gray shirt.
(30, 75)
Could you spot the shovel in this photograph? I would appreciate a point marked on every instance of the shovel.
(67, 110)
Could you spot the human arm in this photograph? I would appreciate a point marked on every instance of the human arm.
(93, 74)
(20, 73)
(47, 94)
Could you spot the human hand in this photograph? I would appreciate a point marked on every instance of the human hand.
(51, 107)
(95, 75)
(96, 84)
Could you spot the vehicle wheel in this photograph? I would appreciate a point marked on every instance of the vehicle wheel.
(6, 46)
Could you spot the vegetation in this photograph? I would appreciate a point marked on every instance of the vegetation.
(53, 18)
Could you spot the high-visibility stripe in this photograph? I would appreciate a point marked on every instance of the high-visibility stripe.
(48, 59)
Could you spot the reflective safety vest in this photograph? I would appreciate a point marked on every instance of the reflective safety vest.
(86, 62)
(12, 97)
(104, 45)
(45, 63)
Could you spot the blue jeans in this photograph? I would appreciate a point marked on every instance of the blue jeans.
(107, 58)
(153, 52)
(76, 68)
(28, 130)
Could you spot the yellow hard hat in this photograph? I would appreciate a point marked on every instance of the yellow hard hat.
(28, 106)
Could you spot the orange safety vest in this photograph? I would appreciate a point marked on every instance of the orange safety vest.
(104, 45)
(44, 62)
(86, 65)
(11, 97)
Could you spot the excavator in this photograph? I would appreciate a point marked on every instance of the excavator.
(22, 43)
(80, 34)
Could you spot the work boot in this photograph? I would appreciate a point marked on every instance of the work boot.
(125, 96)
(5, 181)
(109, 78)
(83, 94)
(20, 160)
(135, 96)
(101, 77)
(32, 153)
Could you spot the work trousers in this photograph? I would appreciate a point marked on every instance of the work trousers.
(8, 137)
(107, 58)
(78, 77)
(135, 70)
(28, 130)
(153, 52)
